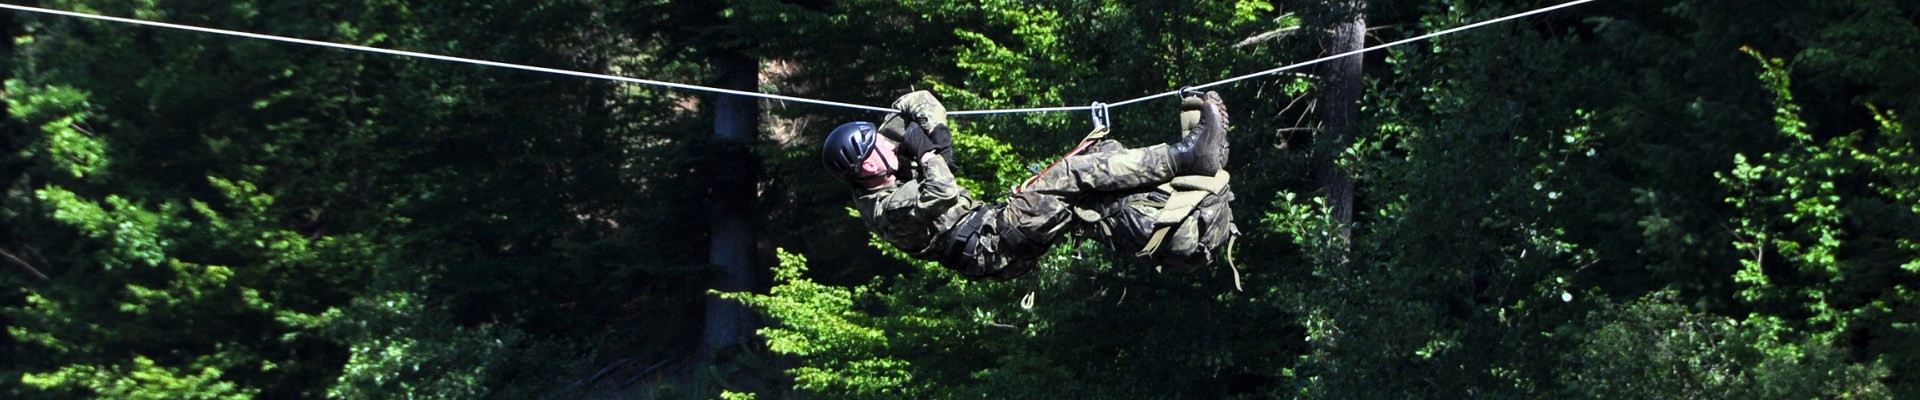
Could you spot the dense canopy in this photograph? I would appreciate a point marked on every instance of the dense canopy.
(1623, 199)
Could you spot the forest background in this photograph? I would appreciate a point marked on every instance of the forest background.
(1623, 199)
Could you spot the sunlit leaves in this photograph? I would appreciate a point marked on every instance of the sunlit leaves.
(61, 112)
(1824, 223)
(847, 353)
(142, 379)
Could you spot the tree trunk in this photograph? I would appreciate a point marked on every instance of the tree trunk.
(1341, 111)
(13, 168)
(731, 246)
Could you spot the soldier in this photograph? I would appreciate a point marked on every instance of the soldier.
(1167, 202)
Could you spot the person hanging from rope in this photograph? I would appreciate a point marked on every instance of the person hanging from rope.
(1168, 202)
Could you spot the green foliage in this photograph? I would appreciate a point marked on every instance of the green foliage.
(143, 380)
(59, 112)
(240, 229)
(1653, 348)
(432, 357)
(848, 355)
(1833, 214)
(1597, 202)
(956, 339)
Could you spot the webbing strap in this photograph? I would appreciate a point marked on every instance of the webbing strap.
(1178, 206)
(1187, 191)
(1159, 237)
(1236, 269)
(1211, 184)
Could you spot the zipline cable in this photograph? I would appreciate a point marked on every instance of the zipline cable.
(463, 60)
(1364, 50)
(1293, 66)
(684, 86)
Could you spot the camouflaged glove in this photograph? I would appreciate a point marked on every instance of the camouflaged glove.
(922, 108)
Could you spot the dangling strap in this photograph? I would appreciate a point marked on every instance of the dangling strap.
(1159, 236)
(1236, 269)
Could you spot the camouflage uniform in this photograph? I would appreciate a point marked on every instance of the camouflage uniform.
(1177, 224)
(1113, 194)
(915, 215)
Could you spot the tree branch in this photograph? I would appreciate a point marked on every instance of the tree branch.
(1267, 36)
(23, 265)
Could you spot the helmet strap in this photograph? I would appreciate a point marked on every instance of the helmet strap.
(891, 169)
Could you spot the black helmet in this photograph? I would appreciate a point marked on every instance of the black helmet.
(847, 147)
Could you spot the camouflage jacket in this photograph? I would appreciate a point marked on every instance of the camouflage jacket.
(914, 215)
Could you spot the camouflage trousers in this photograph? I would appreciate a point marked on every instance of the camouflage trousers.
(1123, 197)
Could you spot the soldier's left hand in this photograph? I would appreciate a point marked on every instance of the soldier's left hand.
(923, 108)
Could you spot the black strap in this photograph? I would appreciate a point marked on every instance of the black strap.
(1017, 244)
(961, 239)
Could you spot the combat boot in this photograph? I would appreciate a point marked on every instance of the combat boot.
(1203, 151)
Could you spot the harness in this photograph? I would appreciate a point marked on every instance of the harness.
(961, 239)
(1185, 195)
(1187, 192)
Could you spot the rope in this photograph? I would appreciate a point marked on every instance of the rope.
(770, 96)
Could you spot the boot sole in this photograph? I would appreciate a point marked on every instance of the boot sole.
(1216, 129)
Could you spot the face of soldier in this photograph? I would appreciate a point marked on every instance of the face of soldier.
(877, 169)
